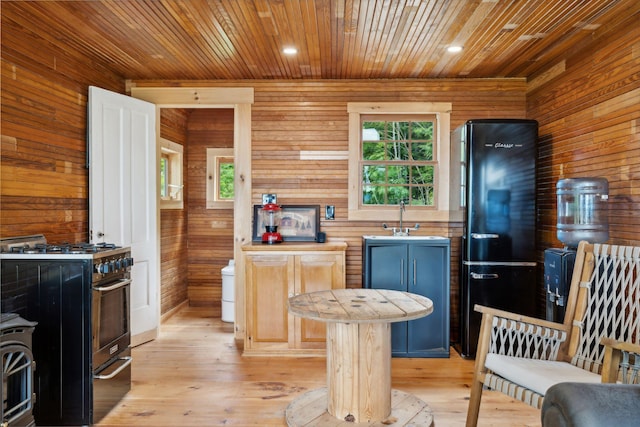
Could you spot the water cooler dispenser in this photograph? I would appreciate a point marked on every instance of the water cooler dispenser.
(582, 215)
(558, 269)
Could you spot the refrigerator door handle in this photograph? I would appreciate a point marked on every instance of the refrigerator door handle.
(484, 236)
(481, 276)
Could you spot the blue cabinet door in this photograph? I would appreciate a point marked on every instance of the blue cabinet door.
(429, 276)
(387, 268)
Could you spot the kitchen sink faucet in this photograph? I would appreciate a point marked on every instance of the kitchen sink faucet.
(399, 231)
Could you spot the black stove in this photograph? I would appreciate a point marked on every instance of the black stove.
(79, 295)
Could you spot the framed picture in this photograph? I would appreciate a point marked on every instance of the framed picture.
(298, 223)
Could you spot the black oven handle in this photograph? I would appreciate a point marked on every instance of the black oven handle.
(121, 283)
(127, 361)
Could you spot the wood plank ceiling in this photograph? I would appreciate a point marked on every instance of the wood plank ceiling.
(336, 39)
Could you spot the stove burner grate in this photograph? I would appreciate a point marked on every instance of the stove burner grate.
(63, 248)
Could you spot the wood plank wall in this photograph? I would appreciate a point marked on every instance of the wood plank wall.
(44, 179)
(173, 222)
(588, 107)
(210, 230)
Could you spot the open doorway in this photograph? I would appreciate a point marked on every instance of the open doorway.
(239, 100)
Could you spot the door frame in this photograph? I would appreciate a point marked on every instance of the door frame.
(240, 99)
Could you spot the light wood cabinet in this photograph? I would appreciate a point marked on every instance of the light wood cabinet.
(274, 273)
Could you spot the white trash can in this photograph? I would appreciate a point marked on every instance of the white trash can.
(228, 292)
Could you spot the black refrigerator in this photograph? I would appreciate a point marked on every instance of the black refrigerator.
(498, 267)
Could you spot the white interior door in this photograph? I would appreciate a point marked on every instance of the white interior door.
(122, 195)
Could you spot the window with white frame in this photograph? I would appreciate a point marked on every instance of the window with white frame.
(171, 185)
(220, 178)
(399, 152)
(398, 161)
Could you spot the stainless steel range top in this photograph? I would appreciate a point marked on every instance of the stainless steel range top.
(36, 247)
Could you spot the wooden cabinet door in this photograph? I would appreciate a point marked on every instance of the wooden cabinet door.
(316, 272)
(269, 281)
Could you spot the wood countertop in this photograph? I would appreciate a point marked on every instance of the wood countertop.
(295, 246)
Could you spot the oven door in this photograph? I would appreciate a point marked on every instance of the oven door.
(110, 320)
(110, 384)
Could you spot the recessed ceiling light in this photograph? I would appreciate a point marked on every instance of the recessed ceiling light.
(454, 49)
(289, 50)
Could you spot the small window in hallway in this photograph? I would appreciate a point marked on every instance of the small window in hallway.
(220, 173)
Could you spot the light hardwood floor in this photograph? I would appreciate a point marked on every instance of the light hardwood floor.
(193, 375)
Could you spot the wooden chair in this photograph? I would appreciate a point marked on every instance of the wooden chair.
(524, 356)
(621, 362)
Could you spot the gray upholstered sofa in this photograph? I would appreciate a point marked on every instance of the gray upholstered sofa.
(591, 405)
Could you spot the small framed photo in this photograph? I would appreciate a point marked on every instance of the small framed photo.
(298, 223)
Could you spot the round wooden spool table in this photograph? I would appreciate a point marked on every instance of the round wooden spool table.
(359, 359)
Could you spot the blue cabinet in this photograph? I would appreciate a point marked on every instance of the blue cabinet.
(419, 266)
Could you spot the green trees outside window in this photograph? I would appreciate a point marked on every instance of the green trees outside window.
(398, 162)
(226, 181)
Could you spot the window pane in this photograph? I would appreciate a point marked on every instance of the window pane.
(373, 195)
(226, 190)
(373, 151)
(398, 151)
(422, 174)
(397, 194)
(422, 196)
(396, 131)
(164, 177)
(422, 151)
(374, 174)
(422, 130)
(371, 131)
(398, 174)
